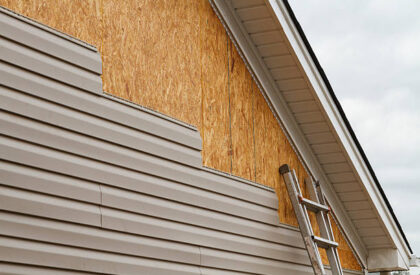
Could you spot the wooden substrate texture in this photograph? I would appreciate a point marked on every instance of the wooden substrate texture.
(176, 58)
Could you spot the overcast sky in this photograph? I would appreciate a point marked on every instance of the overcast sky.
(370, 51)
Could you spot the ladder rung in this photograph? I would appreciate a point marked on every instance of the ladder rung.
(313, 206)
(324, 243)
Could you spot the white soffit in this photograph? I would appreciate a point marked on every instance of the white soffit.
(275, 53)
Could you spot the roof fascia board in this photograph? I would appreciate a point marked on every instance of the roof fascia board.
(339, 125)
(267, 85)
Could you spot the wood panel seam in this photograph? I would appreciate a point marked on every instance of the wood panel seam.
(230, 109)
(253, 131)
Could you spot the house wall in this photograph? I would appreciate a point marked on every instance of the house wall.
(175, 57)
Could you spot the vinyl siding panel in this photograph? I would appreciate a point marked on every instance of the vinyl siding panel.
(44, 65)
(59, 256)
(18, 269)
(93, 185)
(21, 30)
(111, 110)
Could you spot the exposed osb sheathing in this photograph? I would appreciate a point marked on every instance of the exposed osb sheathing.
(175, 57)
(347, 257)
(273, 150)
(269, 151)
(215, 124)
(241, 106)
(151, 54)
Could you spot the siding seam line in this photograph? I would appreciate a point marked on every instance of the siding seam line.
(100, 206)
(201, 126)
(253, 130)
(199, 267)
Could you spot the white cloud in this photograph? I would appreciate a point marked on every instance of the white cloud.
(387, 124)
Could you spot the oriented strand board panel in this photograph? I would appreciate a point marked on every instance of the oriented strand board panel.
(79, 18)
(215, 130)
(241, 106)
(347, 258)
(151, 55)
(266, 157)
(272, 150)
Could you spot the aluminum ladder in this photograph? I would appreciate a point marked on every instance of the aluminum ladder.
(316, 204)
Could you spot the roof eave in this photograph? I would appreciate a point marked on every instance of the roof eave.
(342, 126)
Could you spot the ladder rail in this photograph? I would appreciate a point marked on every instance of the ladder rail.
(293, 190)
(324, 224)
(316, 204)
